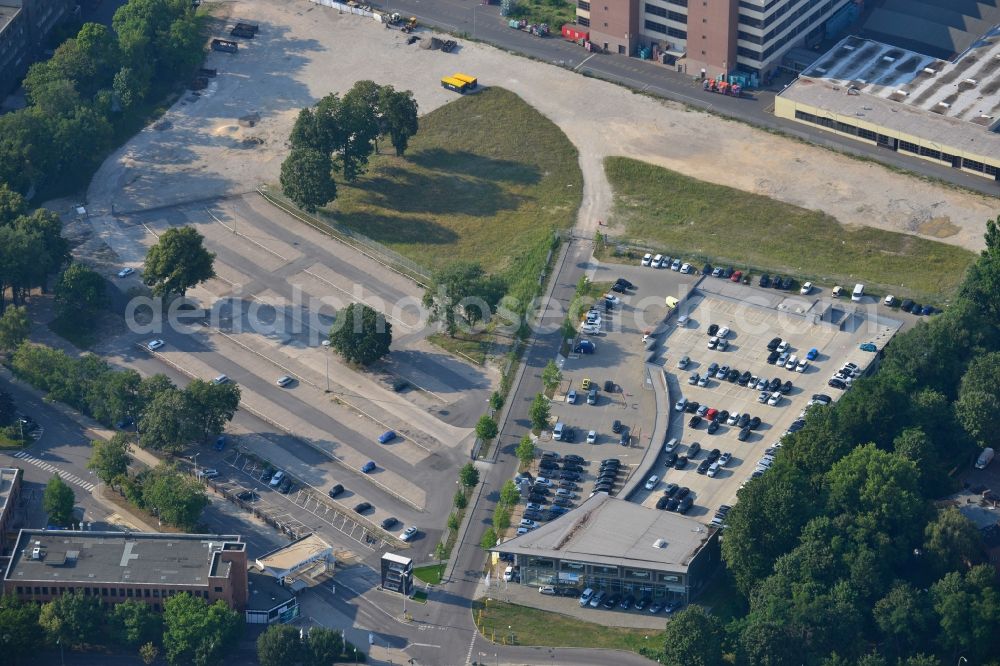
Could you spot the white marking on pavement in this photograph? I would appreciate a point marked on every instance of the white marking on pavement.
(584, 61)
(468, 659)
(424, 645)
(65, 476)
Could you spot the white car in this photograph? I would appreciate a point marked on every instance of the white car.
(793, 361)
(208, 473)
(408, 533)
(733, 418)
(681, 404)
(614, 300)
(590, 329)
(723, 333)
(774, 399)
(531, 506)
(783, 347)
(530, 524)
(763, 397)
(125, 272)
(802, 365)
(592, 437)
(685, 268)
(542, 481)
(647, 259)
(651, 482)
(806, 288)
(658, 261)
(284, 381)
(153, 345)
(508, 574)
(571, 397)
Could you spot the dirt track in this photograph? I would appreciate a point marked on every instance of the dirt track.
(201, 149)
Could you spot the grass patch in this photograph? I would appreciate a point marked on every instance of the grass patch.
(432, 573)
(487, 178)
(531, 626)
(8, 443)
(554, 12)
(703, 221)
(82, 337)
(472, 347)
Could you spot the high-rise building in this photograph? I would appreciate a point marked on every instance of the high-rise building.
(713, 37)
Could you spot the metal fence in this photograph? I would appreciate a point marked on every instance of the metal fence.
(339, 6)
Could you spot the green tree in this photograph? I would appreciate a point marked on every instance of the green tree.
(509, 493)
(58, 501)
(551, 375)
(134, 623)
(280, 645)
(980, 390)
(8, 408)
(501, 518)
(80, 293)
(177, 498)
(462, 292)
(325, 646)
(14, 327)
(952, 541)
(73, 619)
(361, 335)
(486, 428)
(148, 652)
(441, 551)
(12, 205)
(453, 523)
(178, 262)
(307, 178)
(460, 500)
(398, 112)
(131, 85)
(164, 425)
(22, 635)
(198, 633)
(109, 459)
(968, 610)
(693, 638)
(496, 401)
(982, 284)
(904, 618)
(357, 120)
(468, 476)
(765, 643)
(209, 407)
(539, 412)
(526, 447)
(489, 539)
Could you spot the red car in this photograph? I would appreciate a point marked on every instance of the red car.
(711, 414)
(736, 276)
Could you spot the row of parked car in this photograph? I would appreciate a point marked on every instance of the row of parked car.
(600, 598)
(715, 418)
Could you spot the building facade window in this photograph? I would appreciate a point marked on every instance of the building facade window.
(653, 26)
(583, 20)
(655, 11)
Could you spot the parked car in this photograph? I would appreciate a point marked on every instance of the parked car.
(362, 507)
(682, 462)
(336, 490)
(725, 458)
(387, 437)
(368, 467)
(765, 281)
(389, 523)
(694, 422)
(652, 482)
(153, 345)
(647, 259)
(743, 434)
(571, 397)
(713, 427)
(693, 450)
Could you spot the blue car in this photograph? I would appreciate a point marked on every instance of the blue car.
(368, 467)
(812, 354)
(868, 347)
(387, 437)
(220, 443)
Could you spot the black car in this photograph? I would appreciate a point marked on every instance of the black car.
(389, 523)
(906, 305)
(670, 460)
(610, 470)
(837, 384)
(550, 454)
(569, 435)
(722, 416)
(548, 463)
(607, 476)
(610, 461)
(616, 427)
(625, 283)
(743, 434)
(570, 476)
(672, 504)
(765, 281)
(754, 423)
(706, 269)
(626, 603)
(787, 284)
(603, 488)
(713, 329)
(681, 463)
(336, 490)
(562, 501)
(268, 473)
(683, 492)
(642, 603)
(774, 385)
(610, 464)
(703, 467)
(713, 427)
(248, 496)
(916, 309)
(685, 504)
(727, 272)
(745, 377)
(286, 487)
(692, 407)
(744, 420)
(671, 489)
(786, 387)
(694, 422)
(661, 503)
(694, 450)
(797, 425)
(625, 437)
(568, 485)
(618, 288)
(362, 507)
(572, 467)
(575, 458)
(611, 601)
(822, 398)
(609, 385)
(534, 515)
(772, 358)
(713, 455)
(773, 344)
(733, 375)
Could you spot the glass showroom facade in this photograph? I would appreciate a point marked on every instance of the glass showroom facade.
(636, 582)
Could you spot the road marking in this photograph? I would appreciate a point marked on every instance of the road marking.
(424, 645)
(65, 476)
(472, 644)
(584, 61)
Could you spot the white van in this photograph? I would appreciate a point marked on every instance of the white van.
(557, 432)
(671, 445)
(859, 291)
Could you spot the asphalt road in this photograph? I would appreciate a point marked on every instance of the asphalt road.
(483, 23)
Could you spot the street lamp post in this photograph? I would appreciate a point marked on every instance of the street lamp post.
(326, 356)
(194, 459)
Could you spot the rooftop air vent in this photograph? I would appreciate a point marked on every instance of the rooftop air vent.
(930, 70)
(660, 543)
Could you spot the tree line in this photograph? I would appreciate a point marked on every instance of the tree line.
(189, 631)
(839, 551)
(339, 134)
(94, 87)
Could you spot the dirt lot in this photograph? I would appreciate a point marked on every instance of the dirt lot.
(232, 135)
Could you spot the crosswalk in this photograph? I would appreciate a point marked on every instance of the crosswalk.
(69, 478)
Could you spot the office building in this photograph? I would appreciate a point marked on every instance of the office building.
(121, 566)
(10, 491)
(713, 37)
(24, 27)
(619, 547)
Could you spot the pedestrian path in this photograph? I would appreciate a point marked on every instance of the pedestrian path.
(48, 467)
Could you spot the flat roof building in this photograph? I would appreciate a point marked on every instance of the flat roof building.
(10, 490)
(944, 112)
(619, 547)
(119, 566)
(24, 25)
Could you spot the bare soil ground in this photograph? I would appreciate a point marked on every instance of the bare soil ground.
(201, 149)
